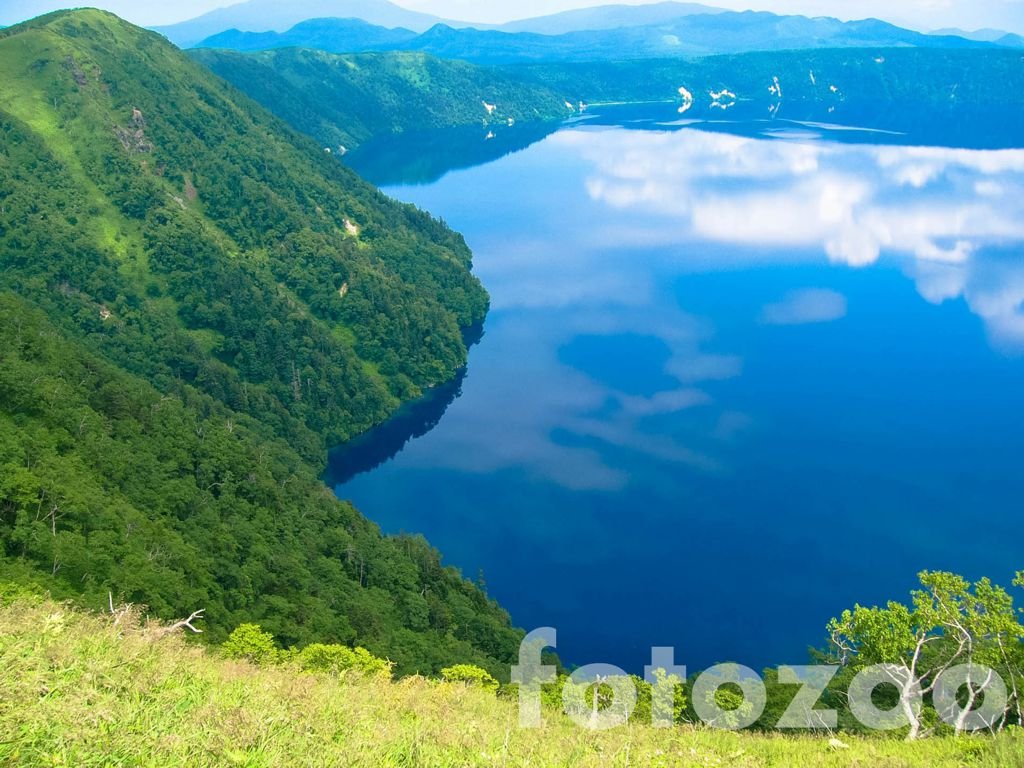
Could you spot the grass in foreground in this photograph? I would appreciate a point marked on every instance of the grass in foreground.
(89, 690)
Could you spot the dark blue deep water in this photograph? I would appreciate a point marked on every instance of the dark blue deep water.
(735, 379)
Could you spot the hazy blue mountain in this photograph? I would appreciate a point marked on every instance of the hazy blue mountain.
(978, 35)
(1011, 40)
(336, 35)
(687, 36)
(607, 17)
(275, 16)
(355, 36)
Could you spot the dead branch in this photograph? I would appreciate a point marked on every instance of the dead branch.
(184, 624)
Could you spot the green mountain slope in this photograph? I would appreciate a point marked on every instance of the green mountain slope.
(195, 301)
(347, 99)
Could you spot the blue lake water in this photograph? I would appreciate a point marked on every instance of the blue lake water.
(735, 379)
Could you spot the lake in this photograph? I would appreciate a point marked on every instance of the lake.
(736, 377)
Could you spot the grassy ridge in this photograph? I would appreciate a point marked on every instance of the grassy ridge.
(90, 690)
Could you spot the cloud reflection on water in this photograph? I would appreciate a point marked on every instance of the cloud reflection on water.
(810, 305)
(605, 268)
(684, 381)
(942, 210)
(512, 410)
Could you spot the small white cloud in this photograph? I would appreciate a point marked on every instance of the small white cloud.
(813, 305)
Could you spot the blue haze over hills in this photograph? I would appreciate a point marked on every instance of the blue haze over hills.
(605, 32)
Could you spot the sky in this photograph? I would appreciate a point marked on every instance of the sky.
(918, 14)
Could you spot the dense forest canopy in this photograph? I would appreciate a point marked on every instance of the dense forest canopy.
(904, 78)
(348, 98)
(195, 300)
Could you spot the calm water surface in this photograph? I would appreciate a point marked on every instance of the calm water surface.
(732, 382)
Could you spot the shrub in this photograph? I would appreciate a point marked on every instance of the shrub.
(319, 657)
(250, 642)
(11, 593)
(470, 675)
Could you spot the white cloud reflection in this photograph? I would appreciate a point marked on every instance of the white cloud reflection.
(519, 397)
(811, 305)
(944, 211)
(660, 206)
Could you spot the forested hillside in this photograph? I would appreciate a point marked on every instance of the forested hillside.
(948, 97)
(900, 76)
(930, 95)
(346, 99)
(194, 301)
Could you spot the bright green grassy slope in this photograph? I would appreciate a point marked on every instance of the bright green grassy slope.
(79, 690)
(195, 300)
(346, 99)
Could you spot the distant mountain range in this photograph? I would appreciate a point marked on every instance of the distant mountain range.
(695, 34)
(277, 16)
(998, 36)
(665, 29)
(335, 35)
(274, 16)
(606, 17)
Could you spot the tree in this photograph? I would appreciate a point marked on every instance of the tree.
(949, 622)
(1013, 658)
